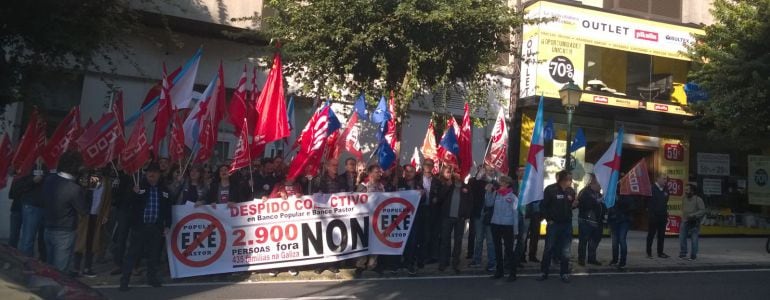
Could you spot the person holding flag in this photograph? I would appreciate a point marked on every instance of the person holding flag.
(532, 180)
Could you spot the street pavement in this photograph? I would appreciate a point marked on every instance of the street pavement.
(700, 285)
(715, 253)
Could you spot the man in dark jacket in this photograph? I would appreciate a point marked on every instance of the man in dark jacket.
(557, 205)
(415, 242)
(60, 211)
(657, 213)
(455, 204)
(29, 191)
(431, 216)
(150, 210)
(591, 213)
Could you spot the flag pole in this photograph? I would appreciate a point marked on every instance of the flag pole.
(189, 160)
(248, 151)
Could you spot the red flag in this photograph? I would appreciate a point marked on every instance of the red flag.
(28, 140)
(63, 138)
(6, 155)
(99, 141)
(332, 144)
(206, 142)
(164, 114)
(117, 110)
(89, 123)
(415, 161)
(251, 102)
(464, 141)
(314, 139)
(137, 152)
(390, 134)
(156, 89)
(238, 109)
(637, 181)
(242, 157)
(176, 146)
(220, 108)
(349, 137)
(31, 145)
(272, 123)
(497, 151)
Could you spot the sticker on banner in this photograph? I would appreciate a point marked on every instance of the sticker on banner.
(392, 220)
(198, 240)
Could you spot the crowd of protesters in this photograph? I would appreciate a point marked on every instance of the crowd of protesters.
(75, 216)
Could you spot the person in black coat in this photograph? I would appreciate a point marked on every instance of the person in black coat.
(591, 211)
(430, 216)
(150, 215)
(455, 205)
(227, 188)
(657, 213)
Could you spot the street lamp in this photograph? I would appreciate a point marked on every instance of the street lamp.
(570, 95)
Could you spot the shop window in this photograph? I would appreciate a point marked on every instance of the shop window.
(669, 10)
(635, 76)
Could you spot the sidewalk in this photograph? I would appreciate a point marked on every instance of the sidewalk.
(715, 253)
(25, 278)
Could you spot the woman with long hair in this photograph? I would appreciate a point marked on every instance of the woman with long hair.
(224, 188)
(190, 187)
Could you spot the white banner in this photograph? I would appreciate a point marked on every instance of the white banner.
(277, 233)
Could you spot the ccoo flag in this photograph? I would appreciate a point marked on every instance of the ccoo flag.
(607, 169)
(532, 184)
(497, 153)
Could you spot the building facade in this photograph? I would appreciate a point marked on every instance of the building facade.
(629, 58)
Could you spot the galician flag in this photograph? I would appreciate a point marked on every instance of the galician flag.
(607, 169)
(532, 184)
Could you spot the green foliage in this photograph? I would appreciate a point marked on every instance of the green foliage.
(410, 47)
(732, 62)
(63, 35)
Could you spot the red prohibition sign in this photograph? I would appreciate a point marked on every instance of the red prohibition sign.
(383, 235)
(181, 254)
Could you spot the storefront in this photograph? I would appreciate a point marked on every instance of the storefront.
(633, 74)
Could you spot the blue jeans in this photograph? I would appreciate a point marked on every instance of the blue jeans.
(693, 232)
(521, 239)
(16, 221)
(558, 240)
(619, 231)
(483, 232)
(59, 245)
(30, 229)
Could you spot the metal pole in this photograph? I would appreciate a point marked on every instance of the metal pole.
(567, 161)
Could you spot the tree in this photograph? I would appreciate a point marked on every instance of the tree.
(732, 63)
(62, 35)
(408, 47)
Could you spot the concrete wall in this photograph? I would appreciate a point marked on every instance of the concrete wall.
(212, 11)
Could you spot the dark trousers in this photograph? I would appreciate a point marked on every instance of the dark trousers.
(451, 229)
(589, 235)
(502, 235)
(88, 252)
(619, 230)
(416, 248)
(434, 233)
(471, 237)
(521, 239)
(558, 239)
(120, 238)
(13, 237)
(656, 227)
(534, 235)
(146, 240)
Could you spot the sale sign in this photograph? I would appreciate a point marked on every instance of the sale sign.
(278, 233)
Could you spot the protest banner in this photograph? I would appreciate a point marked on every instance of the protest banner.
(278, 233)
